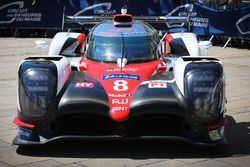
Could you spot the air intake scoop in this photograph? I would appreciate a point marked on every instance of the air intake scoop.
(123, 20)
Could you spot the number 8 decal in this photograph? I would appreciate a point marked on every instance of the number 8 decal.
(120, 85)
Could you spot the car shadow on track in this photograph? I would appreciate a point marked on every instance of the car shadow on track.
(236, 133)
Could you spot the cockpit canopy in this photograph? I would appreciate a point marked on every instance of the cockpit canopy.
(137, 43)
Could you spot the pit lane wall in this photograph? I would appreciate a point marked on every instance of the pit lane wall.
(205, 19)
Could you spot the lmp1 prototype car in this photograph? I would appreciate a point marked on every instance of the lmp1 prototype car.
(121, 81)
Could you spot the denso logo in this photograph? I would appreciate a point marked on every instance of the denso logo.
(114, 109)
(120, 101)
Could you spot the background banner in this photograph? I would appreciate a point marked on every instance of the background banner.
(205, 19)
(30, 14)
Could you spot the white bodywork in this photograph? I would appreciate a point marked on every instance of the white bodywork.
(57, 44)
(194, 47)
(179, 69)
(178, 64)
(59, 40)
(63, 71)
(190, 41)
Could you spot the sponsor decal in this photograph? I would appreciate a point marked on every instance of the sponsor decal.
(119, 101)
(216, 134)
(139, 33)
(122, 69)
(114, 109)
(157, 81)
(84, 85)
(120, 76)
(157, 85)
(119, 95)
(120, 85)
(25, 134)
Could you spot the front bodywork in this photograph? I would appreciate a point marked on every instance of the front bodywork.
(155, 109)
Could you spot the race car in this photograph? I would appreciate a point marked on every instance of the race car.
(121, 81)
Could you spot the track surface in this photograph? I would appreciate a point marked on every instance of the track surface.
(129, 153)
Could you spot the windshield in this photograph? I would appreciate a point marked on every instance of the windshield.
(135, 46)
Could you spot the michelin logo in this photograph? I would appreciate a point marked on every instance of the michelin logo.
(120, 76)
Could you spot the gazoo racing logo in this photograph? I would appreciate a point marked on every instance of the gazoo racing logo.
(119, 101)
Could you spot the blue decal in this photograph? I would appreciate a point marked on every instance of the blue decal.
(25, 134)
(120, 76)
(141, 33)
(110, 69)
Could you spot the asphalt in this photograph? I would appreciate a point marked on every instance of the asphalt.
(128, 153)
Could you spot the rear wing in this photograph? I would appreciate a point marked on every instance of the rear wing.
(149, 19)
(90, 20)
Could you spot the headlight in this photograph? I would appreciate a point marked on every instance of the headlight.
(35, 91)
(204, 89)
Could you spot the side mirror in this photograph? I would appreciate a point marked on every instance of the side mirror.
(204, 46)
(40, 44)
(159, 49)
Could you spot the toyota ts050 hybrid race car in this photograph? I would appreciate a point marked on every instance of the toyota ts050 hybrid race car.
(121, 81)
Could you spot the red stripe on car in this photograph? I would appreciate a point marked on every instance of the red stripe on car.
(18, 122)
(120, 83)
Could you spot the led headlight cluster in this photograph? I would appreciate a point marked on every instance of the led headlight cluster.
(204, 89)
(35, 91)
